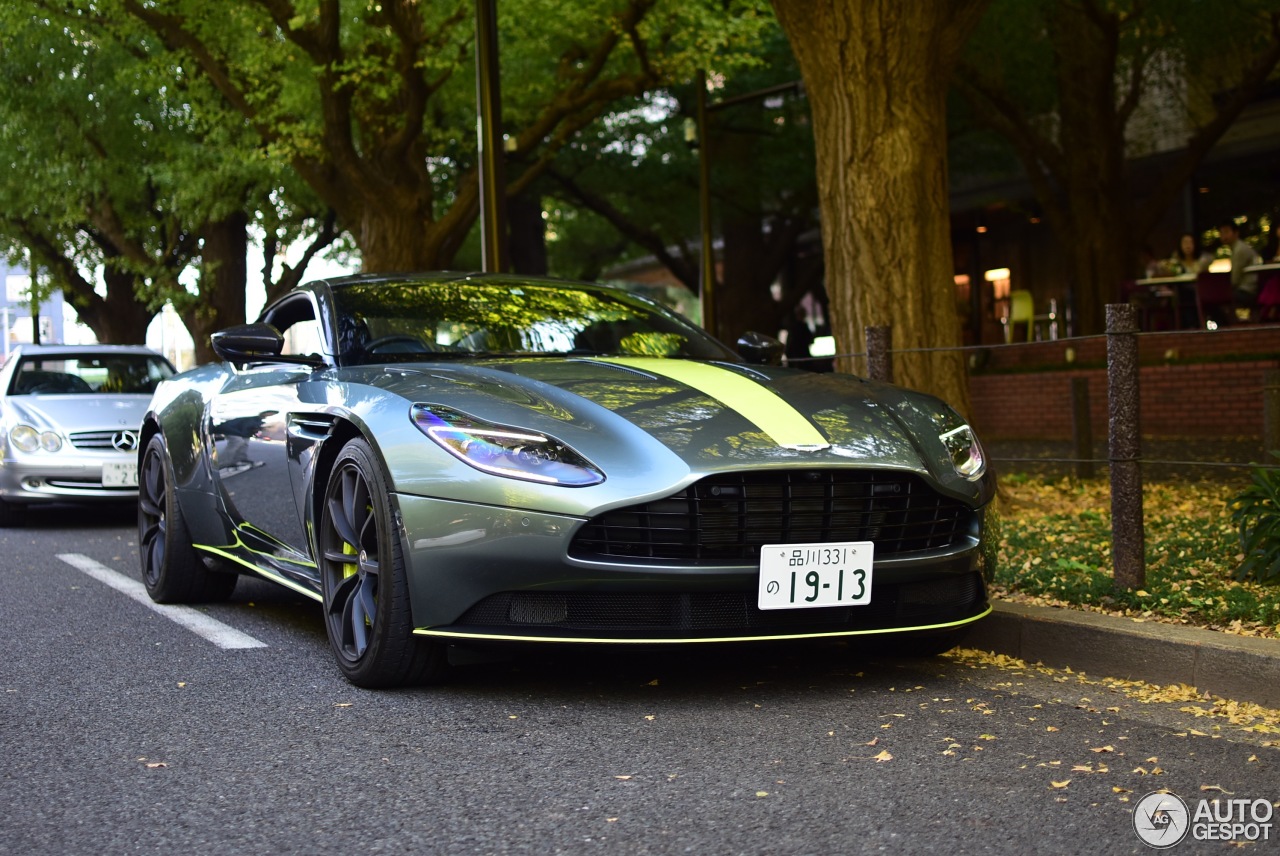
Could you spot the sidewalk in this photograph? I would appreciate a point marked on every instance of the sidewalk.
(1241, 668)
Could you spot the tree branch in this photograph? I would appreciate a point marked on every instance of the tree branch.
(646, 238)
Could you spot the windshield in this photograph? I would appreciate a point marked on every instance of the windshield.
(379, 322)
(89, 374)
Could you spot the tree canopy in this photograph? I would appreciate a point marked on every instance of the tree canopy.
(373, 104)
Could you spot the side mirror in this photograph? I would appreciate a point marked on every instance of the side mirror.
(759, 349)
(258, 342)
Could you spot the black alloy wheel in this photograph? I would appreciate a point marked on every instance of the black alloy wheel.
(172, 570)
(363, 578)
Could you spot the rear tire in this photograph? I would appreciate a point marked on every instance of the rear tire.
(172, 570)
(362, 573)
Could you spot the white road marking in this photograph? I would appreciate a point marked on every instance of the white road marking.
(197, 622)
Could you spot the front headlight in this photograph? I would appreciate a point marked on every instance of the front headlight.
(25, 438)
(505, 451)
(965, 451)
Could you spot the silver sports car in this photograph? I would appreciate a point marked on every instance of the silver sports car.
(69, 417)
(451, 460)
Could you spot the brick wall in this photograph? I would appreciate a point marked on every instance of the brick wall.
(1024, 392)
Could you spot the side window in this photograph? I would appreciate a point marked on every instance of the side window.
(296, 320)
(302, 337)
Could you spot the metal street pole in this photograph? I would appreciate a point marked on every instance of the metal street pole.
(707, 275)
(493, 182)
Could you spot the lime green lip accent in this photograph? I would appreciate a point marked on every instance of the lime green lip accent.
(257, 569)
(501, 637)
(755, 403)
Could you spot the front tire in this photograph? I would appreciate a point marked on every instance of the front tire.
(171, 569)
(363, 578)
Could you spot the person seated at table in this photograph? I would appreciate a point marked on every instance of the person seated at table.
(1189, 258)
(1271, 252)
(1244, 286)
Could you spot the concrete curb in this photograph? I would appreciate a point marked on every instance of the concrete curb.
(1241, 668)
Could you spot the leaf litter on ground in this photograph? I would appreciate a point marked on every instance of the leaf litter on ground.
(1055, 550)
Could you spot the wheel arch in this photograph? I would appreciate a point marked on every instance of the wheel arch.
(344, 430)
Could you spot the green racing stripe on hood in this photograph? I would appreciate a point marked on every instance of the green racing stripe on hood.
(759, 405)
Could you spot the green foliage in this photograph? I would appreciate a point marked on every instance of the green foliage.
(1256, 512)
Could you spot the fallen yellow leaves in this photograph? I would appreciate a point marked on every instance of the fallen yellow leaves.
(883, 756)
(1059, 785)
(1245, 715)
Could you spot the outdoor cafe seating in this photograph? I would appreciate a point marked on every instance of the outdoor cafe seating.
(1021, 310)
(1201, 301)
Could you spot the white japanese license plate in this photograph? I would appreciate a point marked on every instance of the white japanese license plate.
(797, 576)
(120, 474)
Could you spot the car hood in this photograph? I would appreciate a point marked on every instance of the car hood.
(637, 412)
(78, 412)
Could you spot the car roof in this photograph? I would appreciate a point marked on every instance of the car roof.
(54, 350)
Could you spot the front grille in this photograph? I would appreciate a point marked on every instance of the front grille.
(654, 615)
(97, 440)
(725, 519)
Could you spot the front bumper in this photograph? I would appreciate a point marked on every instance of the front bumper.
(68, 478)
(489, 573)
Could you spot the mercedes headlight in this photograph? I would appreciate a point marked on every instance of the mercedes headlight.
(502, 450)
(965, 451)
(25, 437)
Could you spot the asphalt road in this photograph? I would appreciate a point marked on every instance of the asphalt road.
(122, 731)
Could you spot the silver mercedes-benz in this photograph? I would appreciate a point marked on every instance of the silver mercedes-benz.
(69, 419)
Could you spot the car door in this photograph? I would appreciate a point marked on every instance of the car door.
(249, 424)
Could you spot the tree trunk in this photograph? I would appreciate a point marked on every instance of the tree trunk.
(1095, 185)
(876, 74)
(223, 276)
(743, 298)
(119, 318)
(528, 245)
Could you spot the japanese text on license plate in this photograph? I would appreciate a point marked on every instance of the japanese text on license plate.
(796, 576)
(120, 475)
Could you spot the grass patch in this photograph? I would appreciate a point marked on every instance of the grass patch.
(1055, 549)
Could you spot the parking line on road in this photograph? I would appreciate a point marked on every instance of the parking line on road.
(222, 635)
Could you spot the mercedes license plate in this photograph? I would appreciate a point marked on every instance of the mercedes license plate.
(120, 475)
(797, 576)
